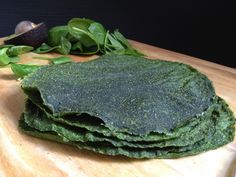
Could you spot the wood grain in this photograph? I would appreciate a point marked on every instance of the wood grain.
(23, 155)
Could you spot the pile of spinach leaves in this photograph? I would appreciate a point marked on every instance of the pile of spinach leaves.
(80, 36)
(83, 36)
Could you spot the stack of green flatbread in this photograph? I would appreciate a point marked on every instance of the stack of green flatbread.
(124, 105)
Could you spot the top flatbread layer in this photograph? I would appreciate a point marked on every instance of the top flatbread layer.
(129, 94)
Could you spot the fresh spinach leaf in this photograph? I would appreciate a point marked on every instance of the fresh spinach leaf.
(77, 46)
(55, 34)
(4, 58)
(122, 39)
(6, 46)
(127, 48)
(60, 60)
(65, 46)
(79, 23)
(80, 29)
(44, 48)
(113, 43)
(98, 31)
(18, 50)
(56, 60)
(14, 59)
(21, 70)
(42, 58)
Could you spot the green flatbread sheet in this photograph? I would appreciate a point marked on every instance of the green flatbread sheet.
(125, 105)
(38, 119)
(129, 94)
(223, 122)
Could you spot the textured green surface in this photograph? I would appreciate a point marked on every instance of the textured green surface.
(223, 133)
(36, 118)
(179, 137)
(94, 125)
(123, 105)
(130, 94)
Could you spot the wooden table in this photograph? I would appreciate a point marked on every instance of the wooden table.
(26, 156)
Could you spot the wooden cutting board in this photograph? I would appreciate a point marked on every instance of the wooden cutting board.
(26, 156)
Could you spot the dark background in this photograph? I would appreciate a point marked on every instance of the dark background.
(201, 29)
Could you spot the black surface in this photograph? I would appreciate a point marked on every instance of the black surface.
(205, 30)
